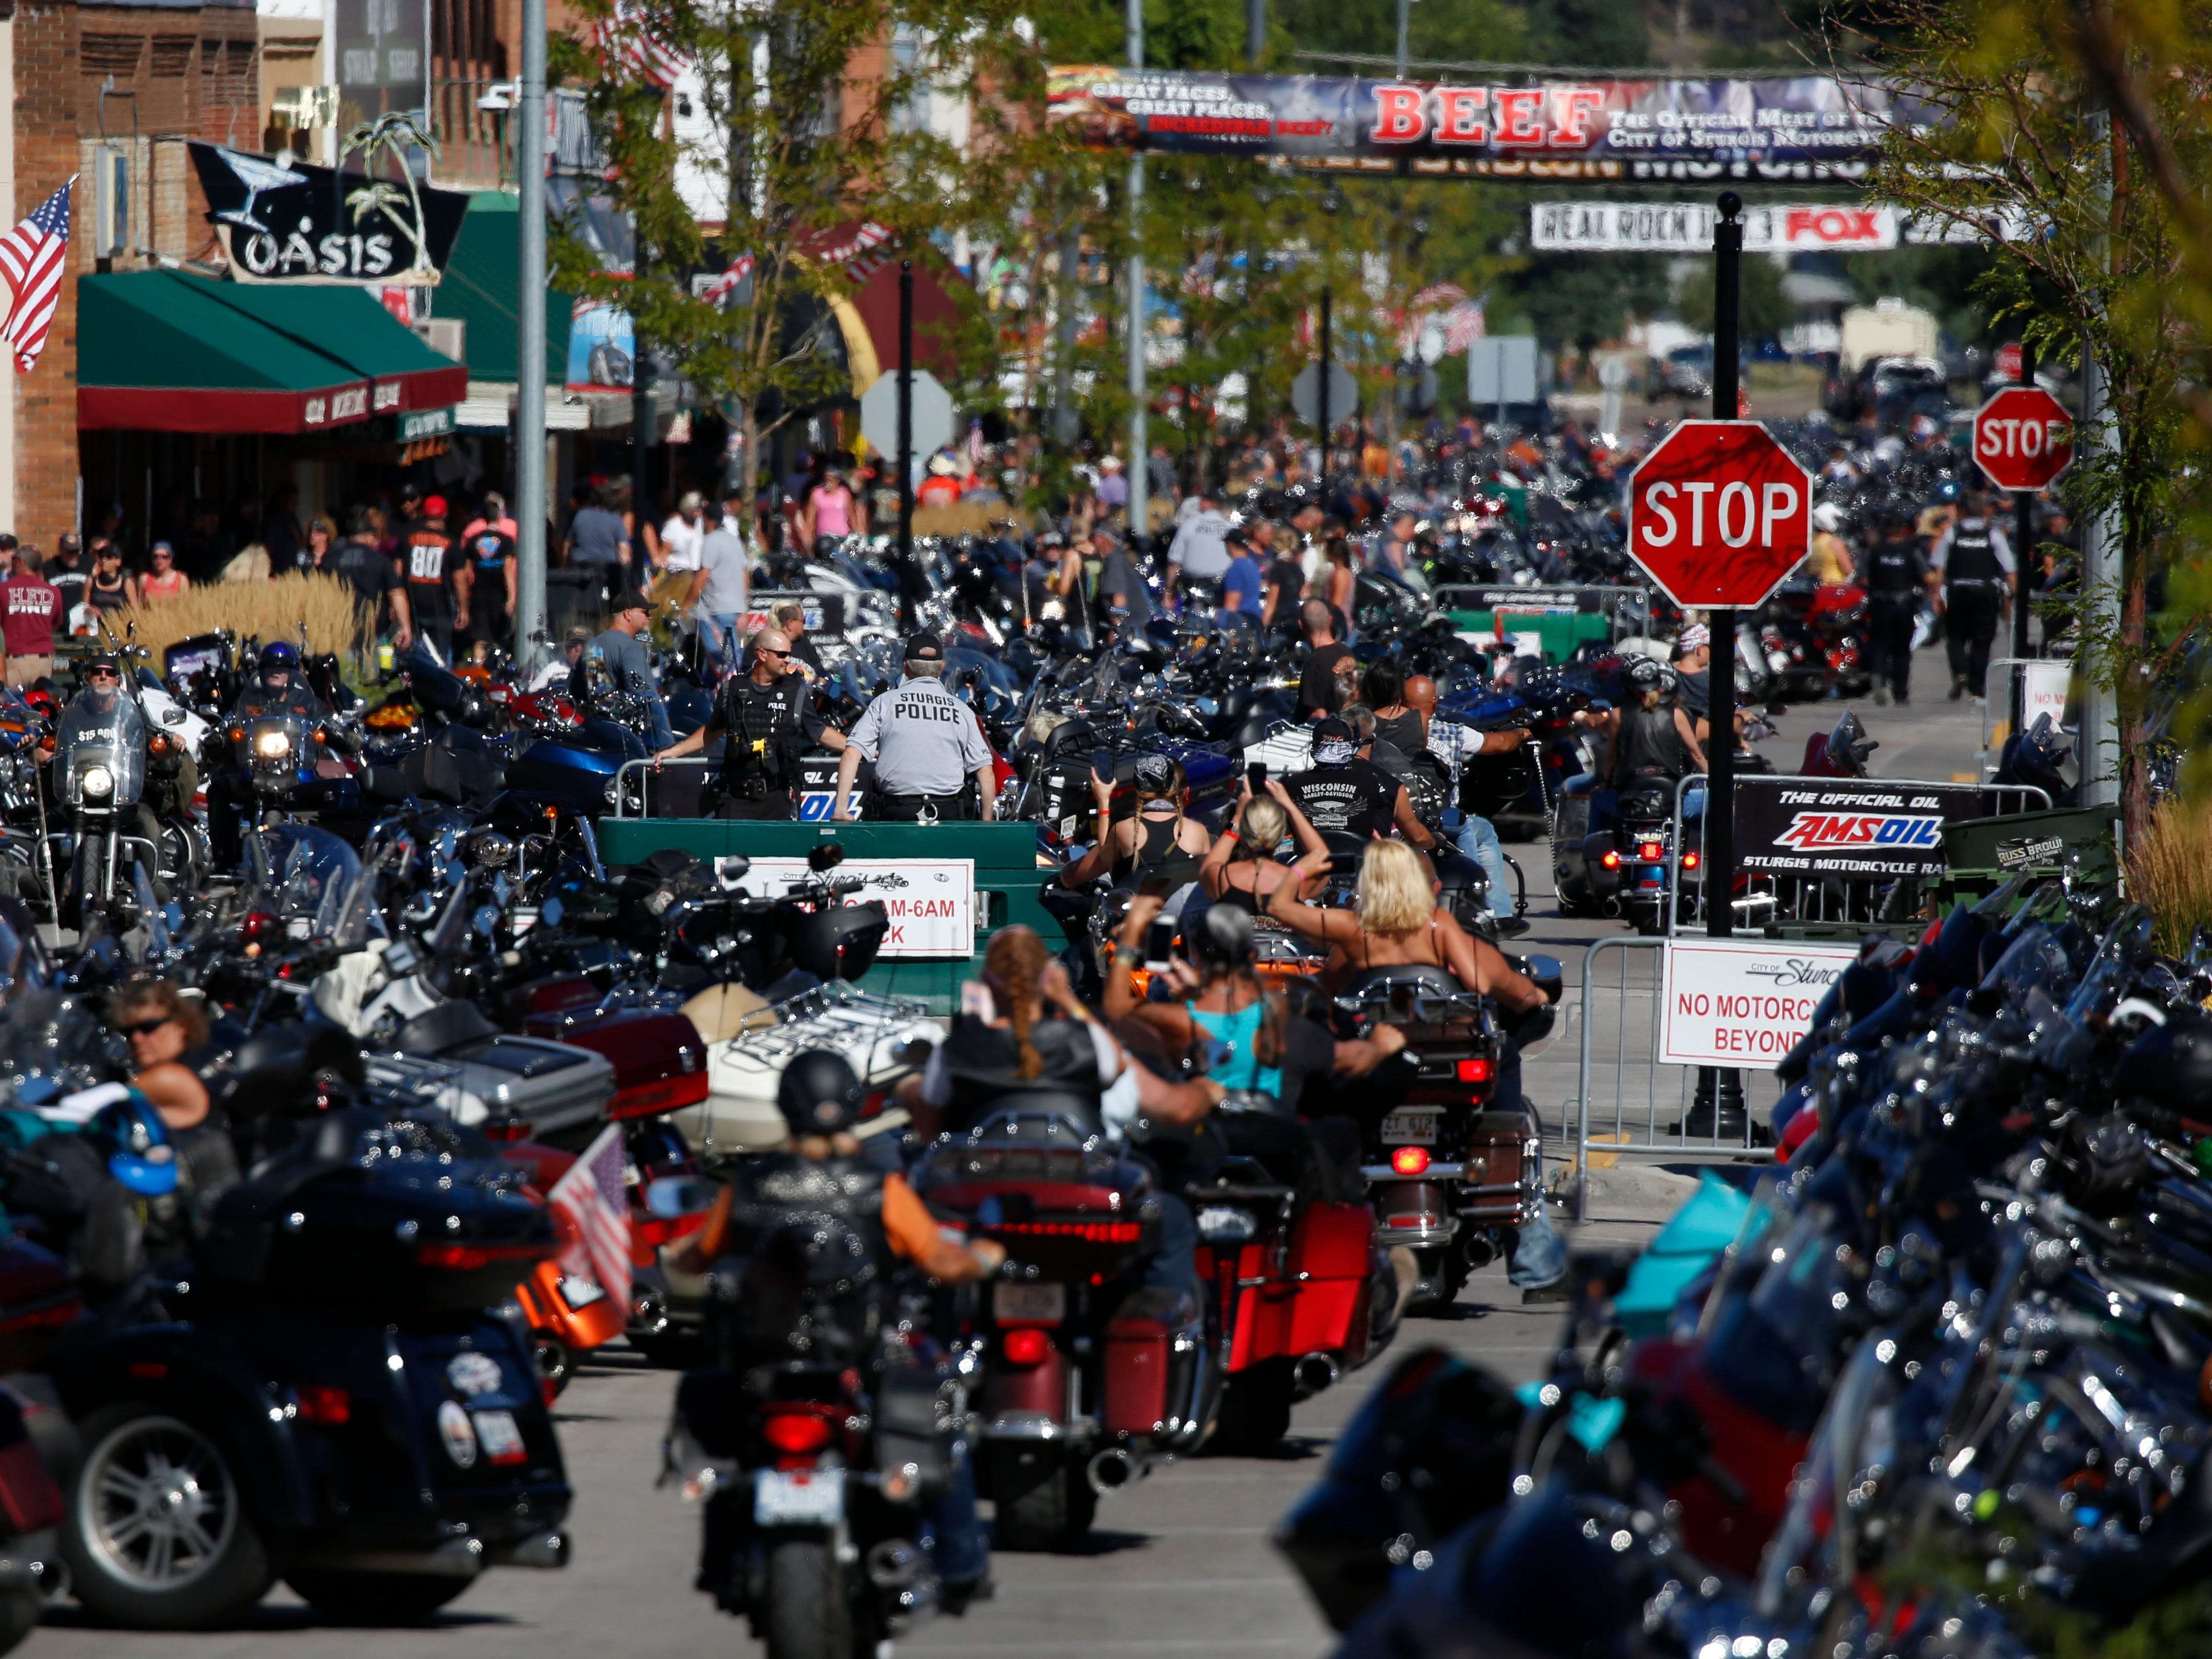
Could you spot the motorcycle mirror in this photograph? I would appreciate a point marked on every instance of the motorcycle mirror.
(730, 869)
(173, 717)
(1548, 975)
(671, 1196)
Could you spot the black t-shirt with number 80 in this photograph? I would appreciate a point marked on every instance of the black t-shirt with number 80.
(429, 554)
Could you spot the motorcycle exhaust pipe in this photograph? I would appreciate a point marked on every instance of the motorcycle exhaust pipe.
(1114, 1469)
(896, 1565)
(1313, 1373)
(1610, 908)
(1481, 1252)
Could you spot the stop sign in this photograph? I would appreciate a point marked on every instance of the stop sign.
(2023, 438)
(1719, 514)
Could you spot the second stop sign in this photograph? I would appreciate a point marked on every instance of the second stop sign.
(2023, 438)
(1719, 514)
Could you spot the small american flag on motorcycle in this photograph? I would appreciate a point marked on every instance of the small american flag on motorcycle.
(592, 1208)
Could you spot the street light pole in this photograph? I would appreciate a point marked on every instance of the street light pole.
(530, 341)
(906, 577)
(1140, 515)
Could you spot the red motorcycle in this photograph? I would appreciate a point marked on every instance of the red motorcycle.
(1089, 1382)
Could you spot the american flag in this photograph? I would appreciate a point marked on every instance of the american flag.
(31, 257)
(713, 291)
(627, 35)
(590, 1199)
(863, 256)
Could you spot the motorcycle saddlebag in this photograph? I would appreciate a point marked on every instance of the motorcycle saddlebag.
(1136, 1377)
(910, 1426)
(839, 944)
(1497, 1178)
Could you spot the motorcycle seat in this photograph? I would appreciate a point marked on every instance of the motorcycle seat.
(1413, 977)
(445, 1026)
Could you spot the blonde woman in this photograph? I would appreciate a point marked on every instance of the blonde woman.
(1243, 869)
(1399, 923)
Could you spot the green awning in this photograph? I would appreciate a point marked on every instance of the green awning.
(165, 351)
(480, 285)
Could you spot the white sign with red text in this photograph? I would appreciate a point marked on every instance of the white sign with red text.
(931, 901)
(1741, 1002)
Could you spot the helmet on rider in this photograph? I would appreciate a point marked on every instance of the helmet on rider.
(819, 1094)
(279, 658)
(1829, 517)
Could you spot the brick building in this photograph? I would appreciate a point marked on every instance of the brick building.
(110, 92)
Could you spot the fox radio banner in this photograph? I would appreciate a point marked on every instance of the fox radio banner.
(1862, 828)
(1741, 1002)
(1782, 130)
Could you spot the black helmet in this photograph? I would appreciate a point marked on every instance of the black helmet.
(1643, 674)
(819, 1094)
(1848, 745)
(1223, 938)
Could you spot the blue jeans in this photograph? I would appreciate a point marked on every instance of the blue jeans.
(718, 635)
(953, 1535)
(1478, 839)
(1534, 1254)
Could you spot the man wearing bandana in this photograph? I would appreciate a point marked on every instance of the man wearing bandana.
(1346, 790)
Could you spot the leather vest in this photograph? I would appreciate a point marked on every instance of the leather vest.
(1892, 574)
(816, 1256)
(985, 1066)
(1972, 559)
(1648, 746)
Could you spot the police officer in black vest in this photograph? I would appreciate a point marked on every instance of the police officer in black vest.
(767, 716)
(1973, 561)
(1896, 574)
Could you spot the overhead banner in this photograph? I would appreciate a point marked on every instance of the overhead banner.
(1856, 827)
(301, 224)
(1803, 128)
(1687, 228)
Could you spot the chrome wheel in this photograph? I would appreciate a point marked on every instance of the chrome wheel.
(160, 1503)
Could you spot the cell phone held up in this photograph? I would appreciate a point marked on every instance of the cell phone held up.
(1159, 944)
(1256, 777)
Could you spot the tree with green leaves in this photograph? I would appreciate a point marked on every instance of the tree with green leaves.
(789, 141)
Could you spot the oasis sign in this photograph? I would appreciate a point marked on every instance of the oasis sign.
(291, 222)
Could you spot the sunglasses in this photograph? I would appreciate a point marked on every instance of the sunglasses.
(763, 651)
(100, 674)
(145, 1027)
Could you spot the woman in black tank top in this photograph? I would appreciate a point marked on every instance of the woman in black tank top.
(1243, 869)
(1157, 841)
(1383, 688)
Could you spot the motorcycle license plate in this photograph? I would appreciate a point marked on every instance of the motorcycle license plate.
(799, 1497)
(1029, 1304)
(500, 1437)
(1410, 1126)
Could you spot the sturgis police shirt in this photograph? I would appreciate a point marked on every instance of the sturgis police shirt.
(923, 740)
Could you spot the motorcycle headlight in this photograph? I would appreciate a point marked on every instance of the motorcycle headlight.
(98, 783)
(273, 745)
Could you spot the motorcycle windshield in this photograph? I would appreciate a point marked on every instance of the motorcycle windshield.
(100, 750)
(303, 875)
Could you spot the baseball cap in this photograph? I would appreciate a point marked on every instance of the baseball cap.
(103, 660)
(925, 648)
(629, 599)
(580, 635)
(434, 507)
(1334, 743)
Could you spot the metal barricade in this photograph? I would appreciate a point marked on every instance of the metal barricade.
(1769, 898)
(1650, 1104)
(2047, 684)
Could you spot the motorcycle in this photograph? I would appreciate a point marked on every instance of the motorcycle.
(99, 773)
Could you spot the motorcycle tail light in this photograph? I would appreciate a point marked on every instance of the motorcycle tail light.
(1691, 860)
(321, 1403)
(260, 925)
(1651, 849)
(1611, 860)
(504, 1128)
(644, 1099)
(796, 1432)
(1026, 1347)
(1475, 1071)
(467, 1258)
(1409, 1160)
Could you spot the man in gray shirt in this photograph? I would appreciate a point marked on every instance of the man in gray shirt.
(598, 539)
(1199, 548)
(717, 595)
(925, 745)
(630, 664)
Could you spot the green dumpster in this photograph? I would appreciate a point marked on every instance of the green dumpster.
(1560, 631)
(1980, 854)
(1006, 870)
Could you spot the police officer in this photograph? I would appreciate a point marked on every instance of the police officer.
(1896, 572)
(1973, 561)
(926, 744)
(769, 717)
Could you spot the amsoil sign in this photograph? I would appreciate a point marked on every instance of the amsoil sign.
(1861, 827)
(1741, 1002)
(931, 901)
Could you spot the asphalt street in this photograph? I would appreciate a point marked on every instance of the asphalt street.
(1179, 1565)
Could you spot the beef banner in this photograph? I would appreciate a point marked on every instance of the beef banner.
(1848, 827)
(1801, 128)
